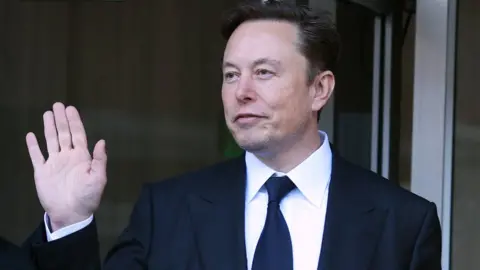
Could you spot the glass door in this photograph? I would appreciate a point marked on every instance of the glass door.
(465, 239)
(362, 117)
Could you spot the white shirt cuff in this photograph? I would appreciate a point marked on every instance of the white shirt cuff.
(64, 231)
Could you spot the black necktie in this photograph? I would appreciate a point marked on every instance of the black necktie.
(274, 248)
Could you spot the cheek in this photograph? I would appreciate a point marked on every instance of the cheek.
(226, 100)
(224, 93)
(294, 108)
(283, 110)
(274, 94)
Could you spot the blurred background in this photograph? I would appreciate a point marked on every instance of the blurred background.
(146, 77)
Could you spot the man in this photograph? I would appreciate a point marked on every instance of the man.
(288, 203)
(13, 257)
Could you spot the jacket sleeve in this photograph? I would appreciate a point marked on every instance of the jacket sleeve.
(80, 250)
(427, 254)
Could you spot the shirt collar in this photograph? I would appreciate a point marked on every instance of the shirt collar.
(311, 176)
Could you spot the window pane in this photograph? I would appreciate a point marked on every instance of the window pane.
(466, 184)
(354, 78)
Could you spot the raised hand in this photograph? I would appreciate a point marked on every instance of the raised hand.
(70, 182)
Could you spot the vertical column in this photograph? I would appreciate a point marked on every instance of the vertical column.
(431, 175)
(377, 73)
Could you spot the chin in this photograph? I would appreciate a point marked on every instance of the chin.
(253, 145)
(252, 140)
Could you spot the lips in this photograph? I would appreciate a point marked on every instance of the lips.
(247, 115)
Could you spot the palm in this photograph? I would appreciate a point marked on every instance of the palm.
(69, 183)
(59, 178)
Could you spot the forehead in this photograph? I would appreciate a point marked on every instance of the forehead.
(261, 39)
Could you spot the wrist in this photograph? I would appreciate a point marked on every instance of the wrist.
(56, 224)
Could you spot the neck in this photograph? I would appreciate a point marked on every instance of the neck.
(293, 152)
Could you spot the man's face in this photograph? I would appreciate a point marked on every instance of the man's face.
(266, 96)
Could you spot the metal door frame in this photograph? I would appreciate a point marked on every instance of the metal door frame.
(433, 103)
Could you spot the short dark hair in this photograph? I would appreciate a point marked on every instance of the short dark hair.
(319, 40)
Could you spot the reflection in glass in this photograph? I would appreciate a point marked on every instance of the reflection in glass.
(466, 176)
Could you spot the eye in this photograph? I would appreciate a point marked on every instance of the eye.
(229, 76)
(264, 73)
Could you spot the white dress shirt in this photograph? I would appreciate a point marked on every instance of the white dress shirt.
(304, 208)
(66, 230)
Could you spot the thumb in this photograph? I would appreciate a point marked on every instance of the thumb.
(99, 162)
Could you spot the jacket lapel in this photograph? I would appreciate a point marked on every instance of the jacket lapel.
(353, 224)
(217, 212)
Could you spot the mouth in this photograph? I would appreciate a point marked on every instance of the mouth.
(247, 119)
(243, 116)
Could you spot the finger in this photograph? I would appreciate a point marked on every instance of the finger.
(99, 162)
(51, 136)
(77, 130)
(63, 130)
(34, 150)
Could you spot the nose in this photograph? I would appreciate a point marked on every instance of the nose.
(245, 91)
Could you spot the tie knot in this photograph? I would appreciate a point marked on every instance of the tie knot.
(278, 187)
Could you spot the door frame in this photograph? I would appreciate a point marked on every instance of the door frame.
(433, 104)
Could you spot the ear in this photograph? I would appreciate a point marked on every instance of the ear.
(321, 89)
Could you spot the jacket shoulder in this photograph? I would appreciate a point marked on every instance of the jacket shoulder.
(196, 179)
(386, 192)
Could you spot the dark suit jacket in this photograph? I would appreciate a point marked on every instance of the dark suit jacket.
(196, 222)
(13, 257)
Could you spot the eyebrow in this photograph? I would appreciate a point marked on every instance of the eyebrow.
(269, 61)
(228, 64)
(257, 62)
